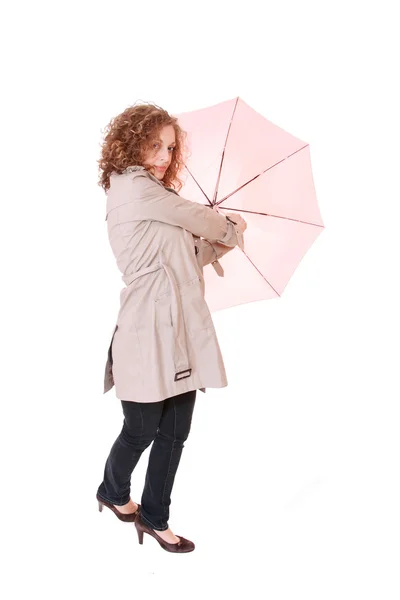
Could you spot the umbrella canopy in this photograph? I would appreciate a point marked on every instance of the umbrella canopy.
(241, 162)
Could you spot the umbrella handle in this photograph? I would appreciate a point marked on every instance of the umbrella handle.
(216, 208)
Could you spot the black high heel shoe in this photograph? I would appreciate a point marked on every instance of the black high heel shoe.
(183, 545)
(129, 518)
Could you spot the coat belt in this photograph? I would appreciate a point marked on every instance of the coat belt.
(182, 368)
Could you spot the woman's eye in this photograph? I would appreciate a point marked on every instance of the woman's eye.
(156, 146)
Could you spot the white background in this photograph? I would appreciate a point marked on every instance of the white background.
(289, 481)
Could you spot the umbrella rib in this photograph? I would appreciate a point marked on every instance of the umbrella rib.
(266, 280)
(223, 152)
(252, 212)
(259, 175)
(197, 183)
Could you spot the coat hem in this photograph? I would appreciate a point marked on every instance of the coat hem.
(160, 399)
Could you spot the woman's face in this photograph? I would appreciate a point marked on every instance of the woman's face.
(160, 154)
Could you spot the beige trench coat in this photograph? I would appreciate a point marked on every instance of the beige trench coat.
(164, 342)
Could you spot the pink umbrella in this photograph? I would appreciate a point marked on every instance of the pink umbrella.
(241, 162)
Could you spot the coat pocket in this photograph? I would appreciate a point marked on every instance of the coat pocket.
(197, 315)
(162, 311)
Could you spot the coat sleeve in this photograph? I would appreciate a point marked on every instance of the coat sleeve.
(211, 251)
(153, 202)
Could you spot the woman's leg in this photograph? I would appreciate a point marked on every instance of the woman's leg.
(139, 429)
(164, 459)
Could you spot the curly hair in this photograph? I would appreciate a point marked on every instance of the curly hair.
(129, 135)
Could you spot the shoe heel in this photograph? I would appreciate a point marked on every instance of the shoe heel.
(140, 535)
(100, 506)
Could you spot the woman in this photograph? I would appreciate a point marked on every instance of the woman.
(164, 346)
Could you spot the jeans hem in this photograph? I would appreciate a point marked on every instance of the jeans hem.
(146, 522)
(118, 503)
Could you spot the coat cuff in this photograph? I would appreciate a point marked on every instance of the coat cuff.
(233, 237)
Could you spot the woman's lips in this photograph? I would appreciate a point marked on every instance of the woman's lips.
(161, 168)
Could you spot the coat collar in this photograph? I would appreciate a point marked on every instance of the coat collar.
(115, 200)
(133, 168)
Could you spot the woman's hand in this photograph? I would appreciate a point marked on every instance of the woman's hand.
(240, 222)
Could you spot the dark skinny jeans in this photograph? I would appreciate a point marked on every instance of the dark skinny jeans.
(167, 425)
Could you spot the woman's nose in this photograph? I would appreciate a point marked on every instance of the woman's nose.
(164, 154)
